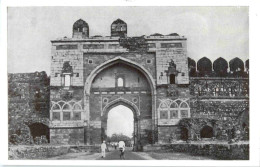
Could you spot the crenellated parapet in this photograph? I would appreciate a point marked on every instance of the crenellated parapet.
(219, 68)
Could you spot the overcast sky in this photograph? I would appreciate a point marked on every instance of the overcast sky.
(120, 120)
(211, 31)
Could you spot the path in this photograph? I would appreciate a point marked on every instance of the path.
(129, 155)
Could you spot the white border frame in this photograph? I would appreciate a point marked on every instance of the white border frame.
(254, 27)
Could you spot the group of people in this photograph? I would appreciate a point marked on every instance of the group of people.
(121, 146)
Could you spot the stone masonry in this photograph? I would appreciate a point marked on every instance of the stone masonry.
(152, 75)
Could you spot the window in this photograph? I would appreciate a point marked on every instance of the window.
(56, 116)
(56, 74)
(163, 110)
(164, 114)
(77, 74)
(66, 116)
(173, 114)
(120, 82)
(148, 61)
(90, 61)
(170, 109)
(184, 113)
(174, 110)
(77, 116)
(172, 79)
(67, 80)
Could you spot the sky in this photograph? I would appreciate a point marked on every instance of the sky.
(120, 120)
(211, 31)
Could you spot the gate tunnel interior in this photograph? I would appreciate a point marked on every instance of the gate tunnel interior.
(127, 112)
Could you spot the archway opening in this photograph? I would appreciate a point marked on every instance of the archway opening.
(40, 133)
(184, 133)
(120, 125)
(206, 132)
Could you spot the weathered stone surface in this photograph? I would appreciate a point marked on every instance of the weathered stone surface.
(85, 84)
(28, 103)
(216, 151)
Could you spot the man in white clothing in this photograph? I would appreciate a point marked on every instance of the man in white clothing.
(121, 146)
(103, 149)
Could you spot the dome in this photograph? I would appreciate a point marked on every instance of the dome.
(247, 63)
(80, 29)
(156, 34)
(191, 62)
(236, 64)
(220, 66)
(173, 34)
(118, 28)
(118, 21)
(204, 65)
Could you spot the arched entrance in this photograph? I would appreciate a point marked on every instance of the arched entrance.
(40, 131)
(206, 132)
(119, 81)
(184, 133)
(126, 104)
(120, 120)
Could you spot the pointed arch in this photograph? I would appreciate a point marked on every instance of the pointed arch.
(184, 105)
(236, 64)
(204, 65)
(113, 61)
(80, 26)
(66, 106)
(163, 105)
(76, 107)
(55, 106)
(174, 105)
(120, 101)
(220, 66)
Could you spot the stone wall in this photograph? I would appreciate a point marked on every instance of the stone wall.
(67, 136)
(28, 103)
(99, 58)
(43, 152)
(215, 151)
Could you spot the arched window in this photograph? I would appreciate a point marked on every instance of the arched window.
(172, 79)
(163, 110)
(174, 110)
(120, 82)
(184, 110)
(66, 111)
(77, 109)
(56, 110)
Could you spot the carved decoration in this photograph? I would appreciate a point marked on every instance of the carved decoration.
(172, 69)
(67, 68)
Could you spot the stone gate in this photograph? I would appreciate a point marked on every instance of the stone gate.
(170, 98)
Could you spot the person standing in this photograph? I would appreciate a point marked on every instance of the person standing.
(103, 149)
(121, 146)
